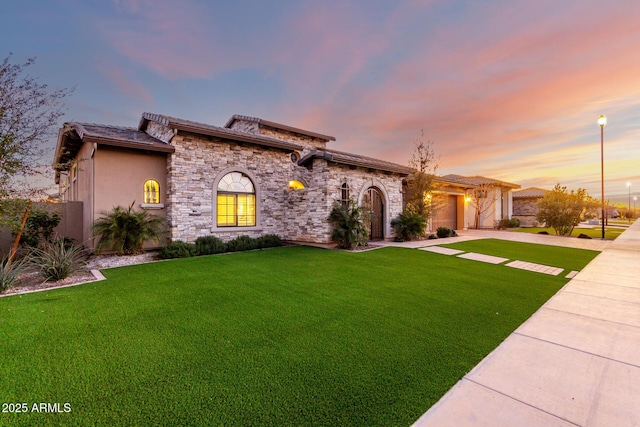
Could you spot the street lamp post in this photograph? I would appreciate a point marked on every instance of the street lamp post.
(602, 120)
(629, 185)
(634, 206)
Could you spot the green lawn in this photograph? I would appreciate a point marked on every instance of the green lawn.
(287, 336)
(556, 256)
(595, 232)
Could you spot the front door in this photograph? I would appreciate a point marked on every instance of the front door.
(375, 202)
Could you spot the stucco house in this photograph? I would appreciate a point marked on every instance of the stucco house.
(459, 194)
(248, 177)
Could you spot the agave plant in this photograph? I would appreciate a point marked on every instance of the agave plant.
(10, 271)
(124, 230)
(57, 260)
(349, 225)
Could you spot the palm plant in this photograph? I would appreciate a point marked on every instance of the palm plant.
(349, 225)
(409, 225)
(124, 230)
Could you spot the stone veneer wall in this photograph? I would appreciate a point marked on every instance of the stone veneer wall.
(245, 126)
(310, 207)
(308, 142)
(525, 209)
(298, 215)
(159, 131)
(192, 173)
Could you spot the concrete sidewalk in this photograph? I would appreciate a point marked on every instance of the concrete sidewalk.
(575, 362)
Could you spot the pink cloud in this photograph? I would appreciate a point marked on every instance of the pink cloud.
(172, 39)
(127, 85)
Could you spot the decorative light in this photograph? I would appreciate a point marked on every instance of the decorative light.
(602, 121)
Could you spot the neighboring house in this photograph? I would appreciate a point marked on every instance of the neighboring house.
(525, 205)
(496, 195)
(250, 177)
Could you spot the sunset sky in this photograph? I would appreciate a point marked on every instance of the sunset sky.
(505, 89)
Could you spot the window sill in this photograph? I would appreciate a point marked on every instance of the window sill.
(151, 206)
(218, 229)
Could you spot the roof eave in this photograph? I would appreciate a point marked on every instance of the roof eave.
(362, 164)
(129, 144)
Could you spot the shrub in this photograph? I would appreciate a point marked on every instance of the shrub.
(443, 232)
(178, 249)
(349, 229)
(209, 245)
(409, 225)
(57, 260)
(432, 237)
(507, 223)
(242, 243)
(9, 273)
(269, 241)
(39, 227)
(125, 230)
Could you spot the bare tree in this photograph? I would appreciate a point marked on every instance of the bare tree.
(423, 197)
(482, 198)
(29, 116)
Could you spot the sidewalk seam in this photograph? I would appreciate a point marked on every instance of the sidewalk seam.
(520, 401)
(575, 349)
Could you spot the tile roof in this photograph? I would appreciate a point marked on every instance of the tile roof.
(278, 126)
(116, 133)
(356, 160)
(205, 129)
(73, 134)
(531, 192)
(478, 180)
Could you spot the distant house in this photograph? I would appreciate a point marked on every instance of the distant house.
(460, 192)
(249, 177)
(525, 205)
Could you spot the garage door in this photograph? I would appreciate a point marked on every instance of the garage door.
(447, 215)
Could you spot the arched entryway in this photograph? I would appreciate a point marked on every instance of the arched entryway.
(374, 200)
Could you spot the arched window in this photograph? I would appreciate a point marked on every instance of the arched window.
(344, 196)
(295, 185)
(236, 201)
(151, 191)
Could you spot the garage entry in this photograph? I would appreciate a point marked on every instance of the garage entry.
(447, 215)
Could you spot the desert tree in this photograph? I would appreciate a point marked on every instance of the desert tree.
(562, 209)
(29, 116)
(422, 195)
(483, 198)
